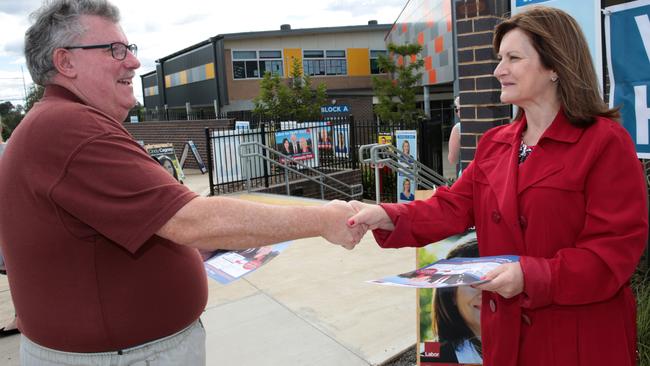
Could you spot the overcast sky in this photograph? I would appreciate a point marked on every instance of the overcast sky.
(161, 27)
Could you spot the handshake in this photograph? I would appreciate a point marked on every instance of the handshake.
(345, 223)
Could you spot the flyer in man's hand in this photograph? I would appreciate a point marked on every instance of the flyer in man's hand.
(228, 266)
(448, 272)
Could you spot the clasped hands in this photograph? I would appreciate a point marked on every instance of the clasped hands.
(345, 223)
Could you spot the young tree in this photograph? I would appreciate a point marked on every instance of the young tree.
(34, 95)
(396, 95)
(10, 115)
(273, 101)
(294, 100)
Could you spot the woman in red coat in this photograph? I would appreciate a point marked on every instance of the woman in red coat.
(562, 188)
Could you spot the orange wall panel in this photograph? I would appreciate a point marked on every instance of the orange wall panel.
(358, 61)
(289, 55)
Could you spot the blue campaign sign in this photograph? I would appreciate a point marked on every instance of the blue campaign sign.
(586, 13)
(627, 29)
(337, 108)
(528, 2)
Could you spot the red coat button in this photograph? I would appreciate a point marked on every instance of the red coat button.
(523, 222)
(496, 216)
(493, 306)
(526, 319)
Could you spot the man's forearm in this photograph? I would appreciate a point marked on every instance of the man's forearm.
(226, 223)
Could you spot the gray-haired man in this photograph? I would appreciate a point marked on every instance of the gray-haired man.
(107, 270)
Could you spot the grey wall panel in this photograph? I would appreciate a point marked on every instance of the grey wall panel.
(202, 93)
(197, 57)
(150, 80)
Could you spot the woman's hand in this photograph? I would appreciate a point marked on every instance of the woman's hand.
(506, 280)
(369, 217)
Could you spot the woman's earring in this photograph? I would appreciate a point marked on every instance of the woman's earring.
(553, 78)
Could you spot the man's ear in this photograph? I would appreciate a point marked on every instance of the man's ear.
(63, 63)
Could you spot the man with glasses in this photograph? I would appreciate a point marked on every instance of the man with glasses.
(101, 242)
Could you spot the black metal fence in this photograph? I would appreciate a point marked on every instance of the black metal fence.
(328, 147)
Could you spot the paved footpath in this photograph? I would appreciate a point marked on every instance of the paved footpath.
(308, 306)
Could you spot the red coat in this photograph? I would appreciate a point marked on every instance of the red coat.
(576, 212)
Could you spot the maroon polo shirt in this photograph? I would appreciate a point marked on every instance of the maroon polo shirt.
(81, 202)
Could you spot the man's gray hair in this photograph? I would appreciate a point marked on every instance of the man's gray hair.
(57, 24)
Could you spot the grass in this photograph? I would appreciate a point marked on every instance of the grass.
(641, 286)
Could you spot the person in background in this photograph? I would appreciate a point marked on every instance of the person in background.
(100, 240)
(561, 187)
(453, 154)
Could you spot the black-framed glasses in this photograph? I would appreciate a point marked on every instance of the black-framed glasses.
(118, 49)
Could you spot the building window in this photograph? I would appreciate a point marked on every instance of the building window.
(254, 64)
(329, 62)
(374, 61)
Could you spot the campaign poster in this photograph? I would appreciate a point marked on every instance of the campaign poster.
(452, 272)
(325, 139)
(406, 142)
(342, 141)
(449, 330)
(242, 125)
(296, 144)
(627, 34)
(166, 156)
(228, 266)
(385, 138)
(191, 146)
(227, 159)
(405, 188)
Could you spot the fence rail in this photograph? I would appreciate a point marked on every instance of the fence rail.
(323, 147)
(250, 151)
(327, 147)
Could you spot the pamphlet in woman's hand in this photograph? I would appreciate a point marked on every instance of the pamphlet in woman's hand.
(448, 272)
(228, 266)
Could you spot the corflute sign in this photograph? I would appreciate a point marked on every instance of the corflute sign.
(337, 108)
(627, 28)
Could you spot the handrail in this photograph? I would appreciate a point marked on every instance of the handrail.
(388, 155)
(246, 153)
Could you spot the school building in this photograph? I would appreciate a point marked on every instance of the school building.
(222, 74)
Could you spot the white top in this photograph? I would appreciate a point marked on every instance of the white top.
(466, 353)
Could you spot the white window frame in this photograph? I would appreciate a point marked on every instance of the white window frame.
(256, 59)
(324, 61)
(385, 53)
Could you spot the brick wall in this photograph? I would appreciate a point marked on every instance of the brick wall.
(360, 106)
(481, 108)
(178, 133)
(307, 188)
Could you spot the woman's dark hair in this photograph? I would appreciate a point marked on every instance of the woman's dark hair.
(562, 47)
(449, 323)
